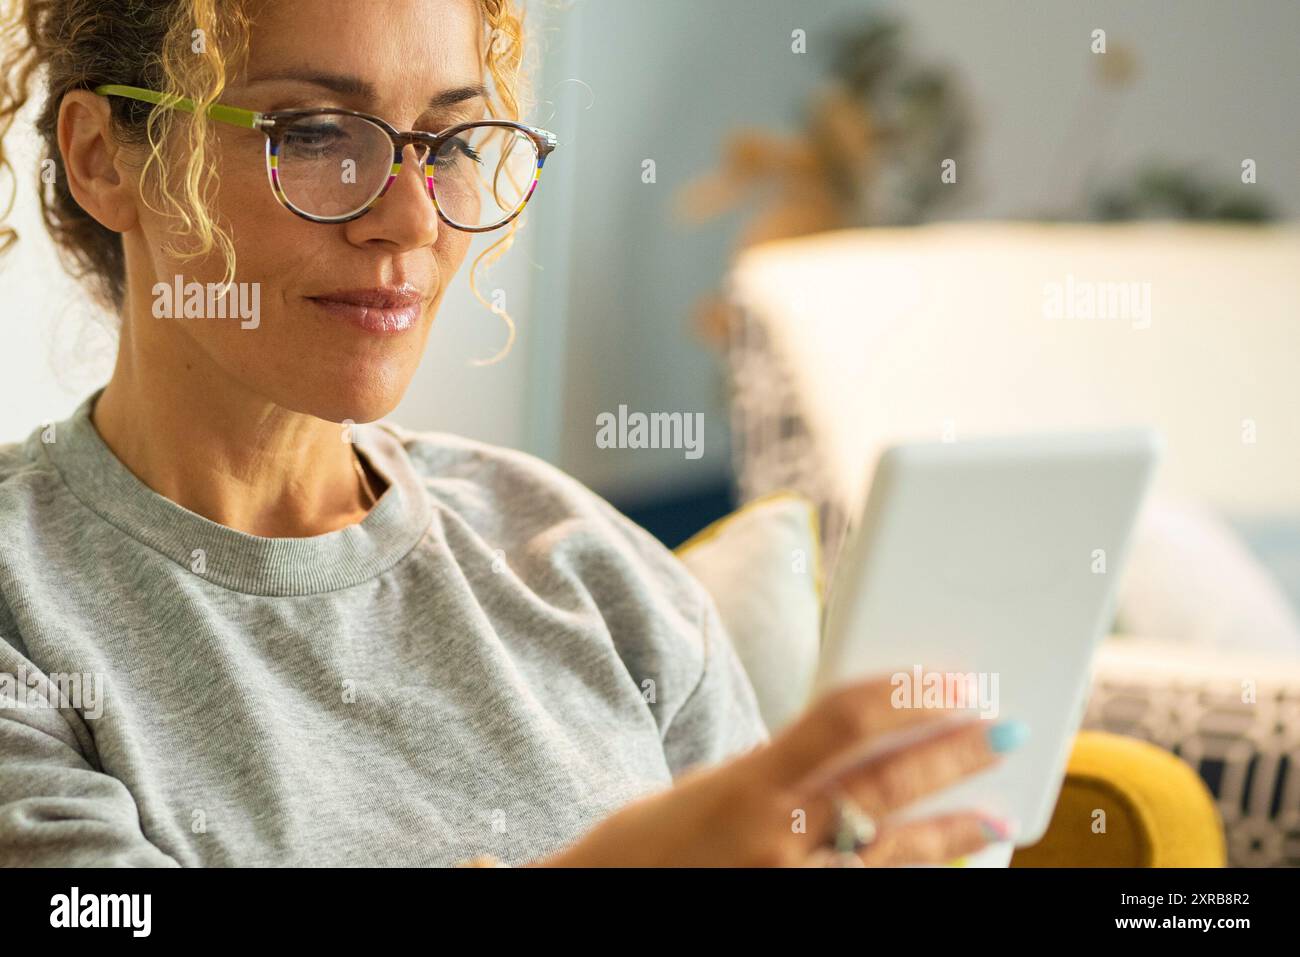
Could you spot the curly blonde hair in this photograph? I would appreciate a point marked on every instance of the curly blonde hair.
(81, 44)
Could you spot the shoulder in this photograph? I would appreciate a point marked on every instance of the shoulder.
(446, 458)
(538, 514)
(31, 499)
(561, 536)
(514, 495)
(16, 458)
(28, 481)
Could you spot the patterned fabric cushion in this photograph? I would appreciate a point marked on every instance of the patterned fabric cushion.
(1234, 718)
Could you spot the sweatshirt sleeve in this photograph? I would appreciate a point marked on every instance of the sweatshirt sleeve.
(720, 718)
(56, 809)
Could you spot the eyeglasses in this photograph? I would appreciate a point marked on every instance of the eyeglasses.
(332, 165)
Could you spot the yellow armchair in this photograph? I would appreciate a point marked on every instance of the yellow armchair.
(1128, 803)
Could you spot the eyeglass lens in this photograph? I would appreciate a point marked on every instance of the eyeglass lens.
(334, 165)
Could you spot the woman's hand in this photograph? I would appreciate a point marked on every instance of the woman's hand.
(774, 806)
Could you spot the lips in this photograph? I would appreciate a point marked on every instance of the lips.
(381, 309)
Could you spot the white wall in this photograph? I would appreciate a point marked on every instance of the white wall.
(56, 347)
(1215, 83)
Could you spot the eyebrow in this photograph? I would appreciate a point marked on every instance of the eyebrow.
(347, 85)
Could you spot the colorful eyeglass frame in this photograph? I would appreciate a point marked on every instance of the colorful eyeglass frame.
(271, 123)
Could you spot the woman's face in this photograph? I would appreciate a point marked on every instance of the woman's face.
(313, 348)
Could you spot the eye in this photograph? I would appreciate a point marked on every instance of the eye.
(315, 138)
(455, 150)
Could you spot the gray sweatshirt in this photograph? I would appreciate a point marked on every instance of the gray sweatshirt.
(491, 662)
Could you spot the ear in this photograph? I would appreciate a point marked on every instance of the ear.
(93, 161)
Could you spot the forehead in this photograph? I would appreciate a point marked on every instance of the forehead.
(418, 46)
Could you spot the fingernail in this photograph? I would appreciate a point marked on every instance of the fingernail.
(997, 829)
(1007, 736)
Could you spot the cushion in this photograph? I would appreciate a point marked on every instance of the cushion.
(1191, 579)
(762, 568)
(1274, 539)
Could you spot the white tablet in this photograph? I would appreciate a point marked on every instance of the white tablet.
(993, 562)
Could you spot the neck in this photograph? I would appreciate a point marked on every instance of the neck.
(202, 440)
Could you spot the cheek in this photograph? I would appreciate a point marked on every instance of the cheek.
(245, 208)
(273, 247)
(243, 187)
(260, 228)
(451, 251)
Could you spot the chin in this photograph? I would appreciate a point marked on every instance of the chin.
(342, 398)
(358, 408)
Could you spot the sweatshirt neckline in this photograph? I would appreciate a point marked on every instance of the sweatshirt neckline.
(233, 559)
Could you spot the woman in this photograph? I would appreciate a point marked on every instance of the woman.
(299, 640)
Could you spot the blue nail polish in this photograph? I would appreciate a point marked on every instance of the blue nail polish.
(1007, 736)
(996, 830)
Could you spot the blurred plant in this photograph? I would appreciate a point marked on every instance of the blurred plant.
(1167, 192)
(919, 119)
(1157, 190)
(870, 151)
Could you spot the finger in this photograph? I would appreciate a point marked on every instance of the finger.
(936, 840)
(845, 720)
(895, 779)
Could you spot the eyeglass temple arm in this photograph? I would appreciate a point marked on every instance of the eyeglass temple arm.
(249, 119)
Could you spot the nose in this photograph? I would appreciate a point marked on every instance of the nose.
(404, 217)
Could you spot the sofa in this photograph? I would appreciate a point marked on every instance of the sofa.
(841, 343)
